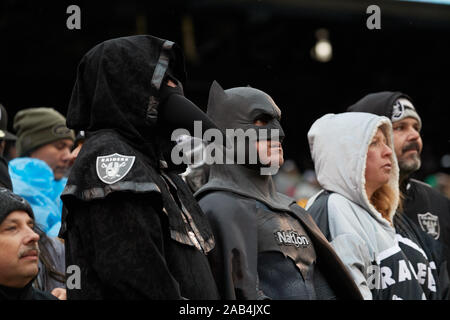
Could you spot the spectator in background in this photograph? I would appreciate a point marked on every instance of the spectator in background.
(51, 254)
(422, 204)
(308, 187)
(44, 147)
(9, 152)
(18, 250)
(5, 137)
(287, 178)
(44, 137)
(292, 183)
(442, 183)
(5, 180)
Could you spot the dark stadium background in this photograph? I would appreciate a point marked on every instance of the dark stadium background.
(265, 44)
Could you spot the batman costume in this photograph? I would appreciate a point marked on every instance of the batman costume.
(267, 247)
(131, 224)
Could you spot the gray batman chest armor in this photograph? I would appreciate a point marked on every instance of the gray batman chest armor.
(289, 275)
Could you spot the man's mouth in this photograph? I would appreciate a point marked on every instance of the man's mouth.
(61, 169)
(411, 147)
(411, 151)
(30, 255)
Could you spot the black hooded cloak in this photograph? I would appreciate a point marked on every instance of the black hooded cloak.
(131, 224)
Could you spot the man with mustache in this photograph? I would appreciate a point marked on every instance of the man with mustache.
(19, 250)
(423, 205)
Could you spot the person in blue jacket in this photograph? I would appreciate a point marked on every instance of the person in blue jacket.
(44, 147)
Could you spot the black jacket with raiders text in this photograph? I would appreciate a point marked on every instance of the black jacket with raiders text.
(430, 210)
(142, 237)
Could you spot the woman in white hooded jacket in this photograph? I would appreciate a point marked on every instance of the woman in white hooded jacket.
(355, 166)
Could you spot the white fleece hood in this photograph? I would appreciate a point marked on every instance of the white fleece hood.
(339, 145)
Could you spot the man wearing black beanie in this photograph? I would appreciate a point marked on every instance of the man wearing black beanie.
(19, 250)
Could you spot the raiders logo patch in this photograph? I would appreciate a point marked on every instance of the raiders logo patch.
(113, 167)
(430, 224)
(397, 111)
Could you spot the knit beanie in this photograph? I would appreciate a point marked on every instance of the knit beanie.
(36, 127)
(392, 104)
(403, 108)
(12, 202)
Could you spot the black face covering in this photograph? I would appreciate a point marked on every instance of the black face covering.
(177, 111)
(122, 85)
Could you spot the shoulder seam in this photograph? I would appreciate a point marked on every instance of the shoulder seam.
(99, 193)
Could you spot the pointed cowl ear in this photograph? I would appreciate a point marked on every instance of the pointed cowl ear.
(216, 96)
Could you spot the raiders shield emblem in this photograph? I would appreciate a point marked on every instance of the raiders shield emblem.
(397, 111)
(430, 224)
(113, 167)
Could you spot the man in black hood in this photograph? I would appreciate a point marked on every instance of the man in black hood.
(132, 226)
(423, 205)
(266, 245)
